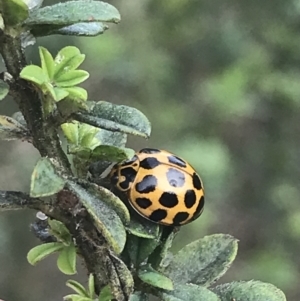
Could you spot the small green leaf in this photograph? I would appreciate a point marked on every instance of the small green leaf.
(44, 180)
(4, 89)
(81, 134)
(11, 129)
(190, 292)
(87, 136)
(91, 286)
(77, 93)
(47, 62)
(71, 78)
(59, 94)
(106, 219)
(114, 118)
(39, 252)
(104, 153)
(60, 231)
(71, 132)
(34, 74)
(73, 12)
(13, 11)
(66, 261)
(105, 294)
(74, 297)
(68, 59)
(154, 278)
(249, 291)
(78, 288)
(203, 261)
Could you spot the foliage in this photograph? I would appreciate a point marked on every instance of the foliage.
(127, 258)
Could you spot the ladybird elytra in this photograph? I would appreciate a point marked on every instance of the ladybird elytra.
(160, 186)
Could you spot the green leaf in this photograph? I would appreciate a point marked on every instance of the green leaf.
(103, 153)
(68, 59)
(106, 219)
(60, 231)
(4, 89)
(39, 252)
(105, 294)
(154, 278)
(66, 261)
(74, 297)
(78, 29)
(73, 12)
(81, 134)
(11, 129)
(71, 132)
(47, 62)
(112, 153)
(249, 291)
(91, 285)
(13, 11)
(114, 118)
(203, 261)
(190, 292)
(34, 74)
(71, 78)
(124, 275)
(59, 94)
(78, 288)
(77, 93)
(44, 180)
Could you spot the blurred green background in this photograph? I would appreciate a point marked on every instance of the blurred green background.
(220, 83)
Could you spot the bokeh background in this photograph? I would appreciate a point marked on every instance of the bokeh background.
(220, 82)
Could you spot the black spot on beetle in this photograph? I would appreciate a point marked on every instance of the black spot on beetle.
(150, 151)
(196, 181)
(147, 184)
(129, 174)
(177, 161)
(158, 215)
(199, 208)
(179, 218)
(168, 199)
(149, 163)
(176, 178)
(190, 198)
(143, 202)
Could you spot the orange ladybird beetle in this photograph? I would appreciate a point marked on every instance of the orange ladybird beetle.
(160, 186)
